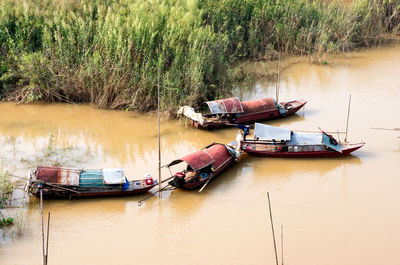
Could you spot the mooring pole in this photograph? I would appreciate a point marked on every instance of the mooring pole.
(47, 241)
(159, 142)
(347, 122)
(282, 244)
(272, 225)
(279, 79)
(41, 210)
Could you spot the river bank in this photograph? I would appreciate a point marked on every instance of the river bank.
(115, 54)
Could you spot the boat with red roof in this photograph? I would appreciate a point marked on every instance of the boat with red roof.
(231, 111)
(203, 165)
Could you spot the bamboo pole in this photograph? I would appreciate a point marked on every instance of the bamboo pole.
(330, 132)
(150, 195)
(159, 141)
(272, 226)
(62, 188)
(41, 211)
(347, 122)
(282, 243)
(279, 79)
(386, 129)
(47, 241)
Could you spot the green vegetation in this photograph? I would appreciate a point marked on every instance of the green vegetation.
(6, 188)
(6, 191)
(114, 53)
(6, 221)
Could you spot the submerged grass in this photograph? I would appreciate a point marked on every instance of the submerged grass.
(114, 53)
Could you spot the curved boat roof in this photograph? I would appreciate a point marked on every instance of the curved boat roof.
(228, 105)
(259, 105)
(215, 155)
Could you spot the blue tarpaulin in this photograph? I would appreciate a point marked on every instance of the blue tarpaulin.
(331, 143)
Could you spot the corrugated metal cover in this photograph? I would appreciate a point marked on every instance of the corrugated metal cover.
(303, 138)
(215, 155)
(259, 105)
(269, 133)
(220, 154)
(58, 175)
(196, 160)
(228, 105)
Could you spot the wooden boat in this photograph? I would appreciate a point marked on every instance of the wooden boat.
(273, 141)
(203, 165)
(68, 183)
(230, 111)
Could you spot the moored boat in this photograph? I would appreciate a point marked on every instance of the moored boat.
(203, 165)
(273, 141)
(68, 183)
(230, 111)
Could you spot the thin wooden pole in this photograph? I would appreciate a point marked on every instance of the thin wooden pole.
(159, 141)
(47, 241)
(282, 243)
(272, 225)
(41, 210)
(386, 129)
(347, 122)
(279, 79)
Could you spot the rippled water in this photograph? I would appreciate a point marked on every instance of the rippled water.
(334, 211)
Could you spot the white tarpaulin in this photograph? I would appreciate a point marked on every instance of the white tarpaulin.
(190, 113)
(304, 138)
(269, 133)
(113, 176)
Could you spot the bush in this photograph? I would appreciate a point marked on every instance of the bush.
(6, 188)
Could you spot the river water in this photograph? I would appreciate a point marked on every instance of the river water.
(334, 211)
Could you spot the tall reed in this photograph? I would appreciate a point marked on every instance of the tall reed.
(114, 53)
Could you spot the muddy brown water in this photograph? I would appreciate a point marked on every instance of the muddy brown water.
(334, 211)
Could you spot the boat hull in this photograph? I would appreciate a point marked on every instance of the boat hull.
(54, 193)
(305, 154)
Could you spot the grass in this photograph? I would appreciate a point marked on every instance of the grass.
(115, 53)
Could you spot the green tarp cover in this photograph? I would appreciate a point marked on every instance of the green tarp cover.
(93, 179)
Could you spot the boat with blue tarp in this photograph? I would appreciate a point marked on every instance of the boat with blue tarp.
(274, 141)
(68, 183)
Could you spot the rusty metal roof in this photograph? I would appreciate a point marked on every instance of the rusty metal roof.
(196, 160)
(58, 175)
(228, 105)
(216, 154)
(220, 153)
(259, 105)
